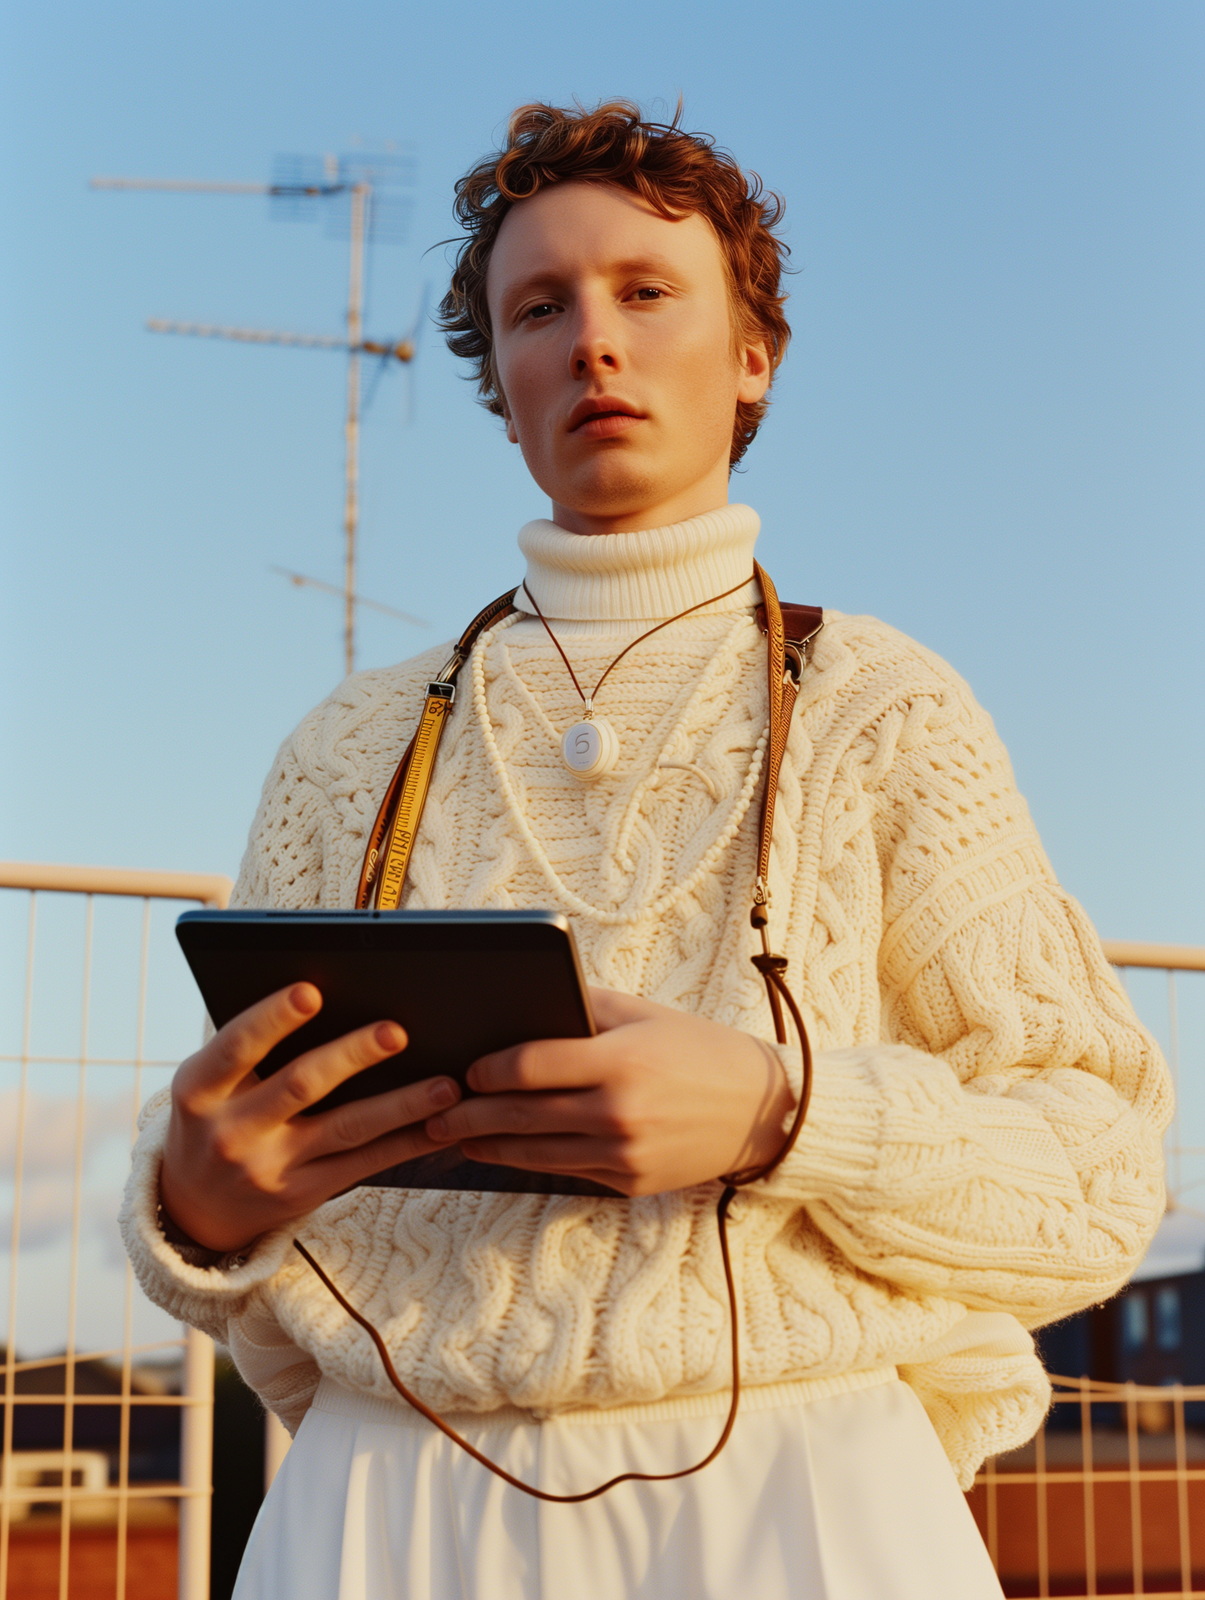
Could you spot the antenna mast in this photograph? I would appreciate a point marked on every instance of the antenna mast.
(351, 431)
(363, 205)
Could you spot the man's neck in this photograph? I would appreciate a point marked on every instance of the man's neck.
(709, 494)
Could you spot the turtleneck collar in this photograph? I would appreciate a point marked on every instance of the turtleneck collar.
(642, 576)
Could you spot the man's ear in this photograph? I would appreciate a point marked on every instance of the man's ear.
(756, 373)
(508, 419)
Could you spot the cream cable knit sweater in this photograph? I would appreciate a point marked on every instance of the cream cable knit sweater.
(983, 1149)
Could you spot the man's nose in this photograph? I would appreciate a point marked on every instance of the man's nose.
(597, 347)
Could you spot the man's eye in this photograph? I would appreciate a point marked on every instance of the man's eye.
(648, 294)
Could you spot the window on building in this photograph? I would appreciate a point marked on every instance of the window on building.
(1167, 1319)
(1134, 1323)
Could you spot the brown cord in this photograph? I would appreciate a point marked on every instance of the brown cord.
(771, 969)
(589, 700)
(783, 687)
(445, 1428)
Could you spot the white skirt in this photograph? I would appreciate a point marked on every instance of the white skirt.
(846, 1497)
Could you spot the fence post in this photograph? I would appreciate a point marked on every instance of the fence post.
(196, 1466)
(277, 1440)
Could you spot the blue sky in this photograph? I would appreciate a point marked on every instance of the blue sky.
(987, 431)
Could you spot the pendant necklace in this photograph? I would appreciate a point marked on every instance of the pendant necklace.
(590, 748)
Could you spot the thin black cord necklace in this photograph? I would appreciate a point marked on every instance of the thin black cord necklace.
(591, 747)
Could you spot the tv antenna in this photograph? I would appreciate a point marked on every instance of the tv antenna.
(347, 191)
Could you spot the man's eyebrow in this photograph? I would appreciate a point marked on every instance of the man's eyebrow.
(550, 279)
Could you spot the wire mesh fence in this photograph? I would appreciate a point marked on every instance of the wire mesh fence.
(107, 1404)
(1108, 1499)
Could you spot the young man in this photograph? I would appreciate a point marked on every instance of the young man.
(982, 1149)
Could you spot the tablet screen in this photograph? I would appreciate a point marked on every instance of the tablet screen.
(462, 984)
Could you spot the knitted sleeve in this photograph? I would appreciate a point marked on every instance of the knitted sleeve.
(278, 863)
(318, 802)
(1002, 1145)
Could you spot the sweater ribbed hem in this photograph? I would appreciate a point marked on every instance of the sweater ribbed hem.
(648, 575)
(333, 1397)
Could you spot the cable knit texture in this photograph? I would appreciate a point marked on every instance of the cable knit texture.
(983, 1150)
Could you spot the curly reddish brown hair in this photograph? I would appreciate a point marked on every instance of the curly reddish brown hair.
(677, 173)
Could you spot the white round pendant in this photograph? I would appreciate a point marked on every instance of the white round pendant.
(591, 748)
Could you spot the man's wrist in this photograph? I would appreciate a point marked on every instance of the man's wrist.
(187, 1248)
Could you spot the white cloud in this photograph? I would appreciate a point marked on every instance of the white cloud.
(49, 1150)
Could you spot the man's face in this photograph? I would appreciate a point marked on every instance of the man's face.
(614, 348)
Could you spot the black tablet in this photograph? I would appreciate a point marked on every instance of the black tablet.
(461, 983)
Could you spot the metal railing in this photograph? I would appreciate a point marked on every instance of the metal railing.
(30, 1498)
(1115, 1503)
(1170, 959)
(1111, 1508)
(1121, 1498)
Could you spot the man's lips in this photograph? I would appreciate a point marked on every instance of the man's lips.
(602, 418)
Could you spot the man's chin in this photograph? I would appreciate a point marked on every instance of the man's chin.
(619, 489)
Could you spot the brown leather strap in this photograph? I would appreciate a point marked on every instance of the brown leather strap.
(787, 654)
(790, 633)
(800, 625)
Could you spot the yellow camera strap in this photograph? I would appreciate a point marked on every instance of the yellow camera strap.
(387, 858)
(413, 796)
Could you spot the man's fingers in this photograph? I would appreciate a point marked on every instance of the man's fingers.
(563, 1063)
(237, 1049)
(360, 1122)
(574, 1154)
(542, 1064)
(523, 1115)
(313, 1075)
(613, 1009)
(331, 1175)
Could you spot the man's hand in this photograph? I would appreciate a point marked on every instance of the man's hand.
(240, 1157)
(658, 1100)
